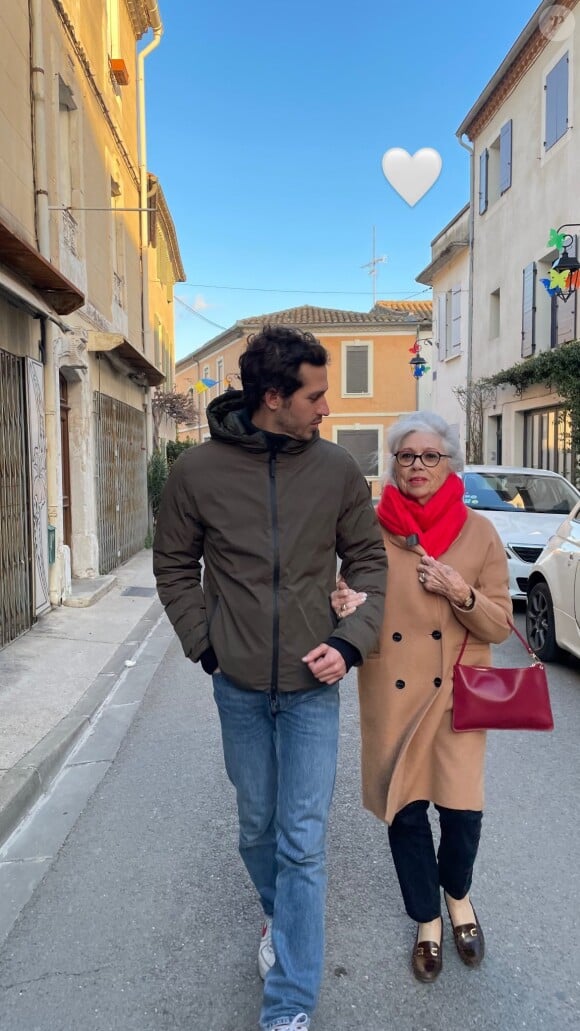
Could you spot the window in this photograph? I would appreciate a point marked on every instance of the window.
(362, 445)
(495, 439)
(505, 157)
(543, 306)
(495, 168)
(68, 165)
(483, 163)
(449, 324)
(442, 326)
(158, 342)
(529, 310)
(494, 315)
(66, 149)
(556, 112)
(220, 375)
(455, 320)
(113, 29)
(356, 365)
(547, 440)
(118, 242)
(520, 491)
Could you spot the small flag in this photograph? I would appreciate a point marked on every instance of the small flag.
(204, 384)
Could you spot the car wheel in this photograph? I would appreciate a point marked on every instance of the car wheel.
(540, 624)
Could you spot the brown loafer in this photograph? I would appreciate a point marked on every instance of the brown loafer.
(469, 942)
(427, 959)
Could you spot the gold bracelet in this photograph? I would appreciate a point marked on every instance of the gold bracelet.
(469, 601)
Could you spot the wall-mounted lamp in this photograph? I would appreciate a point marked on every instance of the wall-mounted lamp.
(565, 272)
(417, 362)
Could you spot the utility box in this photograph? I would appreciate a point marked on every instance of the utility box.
(51, 544)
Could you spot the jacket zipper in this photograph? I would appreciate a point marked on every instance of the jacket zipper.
(275, 580)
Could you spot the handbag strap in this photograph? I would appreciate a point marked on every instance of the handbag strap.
(516, 632)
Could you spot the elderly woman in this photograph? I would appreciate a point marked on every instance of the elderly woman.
(447, 574)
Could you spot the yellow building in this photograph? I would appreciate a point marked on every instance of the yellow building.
(165, 269)
(370, 380)
(78, 312)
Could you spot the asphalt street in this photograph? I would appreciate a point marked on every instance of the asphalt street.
(143, 919)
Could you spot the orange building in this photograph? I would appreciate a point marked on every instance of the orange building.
(370, 381)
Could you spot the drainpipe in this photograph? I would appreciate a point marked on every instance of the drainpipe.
(468, 405)
(42, 216)
(157, 26)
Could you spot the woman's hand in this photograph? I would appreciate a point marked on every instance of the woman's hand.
(438, 578)
(345, 601)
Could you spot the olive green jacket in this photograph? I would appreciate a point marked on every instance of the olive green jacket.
(268, 526)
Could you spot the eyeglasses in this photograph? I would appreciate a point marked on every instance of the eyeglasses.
(429, 458)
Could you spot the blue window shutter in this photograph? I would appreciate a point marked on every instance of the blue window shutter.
(483, 160)
(442, 326)
(529, 310)
(556, 102)
(505, 157)
(455, 320)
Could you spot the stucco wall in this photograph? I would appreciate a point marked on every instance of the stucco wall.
(514, 230)
(511, 234)
(16, 182)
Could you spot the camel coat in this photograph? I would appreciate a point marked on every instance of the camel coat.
(409, 750)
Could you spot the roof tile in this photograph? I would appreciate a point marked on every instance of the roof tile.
(308, 315)
(422, 308)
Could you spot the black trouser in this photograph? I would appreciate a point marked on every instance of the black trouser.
(420, 871)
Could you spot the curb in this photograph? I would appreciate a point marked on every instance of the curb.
(84, 592)
(23, 785)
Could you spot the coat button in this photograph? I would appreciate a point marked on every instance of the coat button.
(397, 636)
(437, 681)
(399, 683)
(436, 634)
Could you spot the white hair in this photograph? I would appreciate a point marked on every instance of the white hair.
(424, 422)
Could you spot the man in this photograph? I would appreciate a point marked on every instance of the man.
(268, 504)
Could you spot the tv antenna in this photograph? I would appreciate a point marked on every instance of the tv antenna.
(372, 267)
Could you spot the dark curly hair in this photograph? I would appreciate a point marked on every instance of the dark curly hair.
(272, 359)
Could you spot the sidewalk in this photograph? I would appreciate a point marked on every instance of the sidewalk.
(54, 679)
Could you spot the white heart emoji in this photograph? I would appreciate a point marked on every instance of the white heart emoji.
(411, 175)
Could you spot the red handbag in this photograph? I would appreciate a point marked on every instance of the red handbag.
(492, 698)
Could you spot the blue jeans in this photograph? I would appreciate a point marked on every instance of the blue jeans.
(280, 753)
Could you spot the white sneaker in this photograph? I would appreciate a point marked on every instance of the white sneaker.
(300, 1023)
(266, 957)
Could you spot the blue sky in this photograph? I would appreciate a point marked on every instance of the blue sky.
(267, 122)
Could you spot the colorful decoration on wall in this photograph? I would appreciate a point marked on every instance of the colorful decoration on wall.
(556, 239)
(417, 362)
(564, 275)
(551, 289)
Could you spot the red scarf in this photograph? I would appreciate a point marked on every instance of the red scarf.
(437, 523)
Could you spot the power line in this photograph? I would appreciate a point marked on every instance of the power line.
(194, 311)
(274, 290)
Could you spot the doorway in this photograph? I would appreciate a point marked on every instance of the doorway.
(65, 459)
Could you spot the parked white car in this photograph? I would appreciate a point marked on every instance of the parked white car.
(526, 506)
(553, 606)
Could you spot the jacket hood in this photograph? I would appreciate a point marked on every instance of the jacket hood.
(226, 423)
